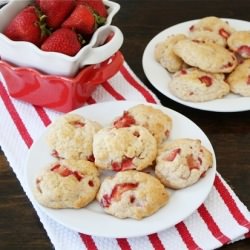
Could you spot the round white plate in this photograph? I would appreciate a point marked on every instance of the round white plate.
(91, 219)
(159, 77)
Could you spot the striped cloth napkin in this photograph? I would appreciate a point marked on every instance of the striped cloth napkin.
(220, 220)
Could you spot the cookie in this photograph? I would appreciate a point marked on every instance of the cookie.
(166, 57)
(124, 148)
(132, 194)
(240, 42)
(156, 121)
(182, 162)
(71, 136)
(205, 36)
(67, 184)
(209, 57)
(215, 25)
(239, 79)
(198, 86)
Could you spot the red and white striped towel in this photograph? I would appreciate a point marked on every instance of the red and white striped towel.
(220, 220)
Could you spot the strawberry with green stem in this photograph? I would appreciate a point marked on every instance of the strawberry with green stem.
(64, 41)
(97, 6)
(56, 11)
(83, 20)
(28, 25)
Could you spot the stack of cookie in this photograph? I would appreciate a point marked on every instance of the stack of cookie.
(207, 63)
(136, 153)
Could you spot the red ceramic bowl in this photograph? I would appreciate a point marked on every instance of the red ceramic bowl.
(57, 92)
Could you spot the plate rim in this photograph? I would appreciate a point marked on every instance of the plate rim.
(105, 233)
(205, 106)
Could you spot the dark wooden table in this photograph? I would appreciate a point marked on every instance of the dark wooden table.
(140, 21)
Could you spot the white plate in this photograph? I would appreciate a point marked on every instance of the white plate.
(159, 77)
(92, 220)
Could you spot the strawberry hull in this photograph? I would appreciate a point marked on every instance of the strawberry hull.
(26, 54)
(59, 93)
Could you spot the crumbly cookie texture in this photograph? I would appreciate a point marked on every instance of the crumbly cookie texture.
(156, 121)
(166, 57)
(71, 137)
(239, 42)
(198, 86)
(124, 148)
(239, 79)
(182, 162)
(67, 184)
(209, 57)
(132, 194)
(213, 24)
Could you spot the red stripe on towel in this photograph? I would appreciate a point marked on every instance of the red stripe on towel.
(212, 226)
(88, 241)
(123, 243)
(112, 91)
(156, 241)
(43, 115)
(15, 116)
(186, 236)
(130, 79)
(230, 203)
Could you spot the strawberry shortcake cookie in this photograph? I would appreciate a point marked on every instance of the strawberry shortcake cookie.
(209, 57)
(182, 162)
(198, 86)
(239, 79)
(132, 194)
(156, 121)
(71, 137)
(124, 148)
(67, 184)
(166, 57)
(215, 25)
(205, 36)
(239, 42)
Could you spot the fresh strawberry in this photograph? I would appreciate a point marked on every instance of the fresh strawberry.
(97, 5)
(63, 41)
(125, 121)
(56, 11)
(81, 20)
(28, 25)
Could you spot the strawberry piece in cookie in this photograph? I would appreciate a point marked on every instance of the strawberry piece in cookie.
(154, 120)
(132, 194)
(126, 164)
(124, 121)
(117, 192)
(67, 184)
(124, 148)
(179, 172)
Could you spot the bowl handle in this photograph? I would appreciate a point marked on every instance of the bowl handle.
(108, 41)
(99, 73)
